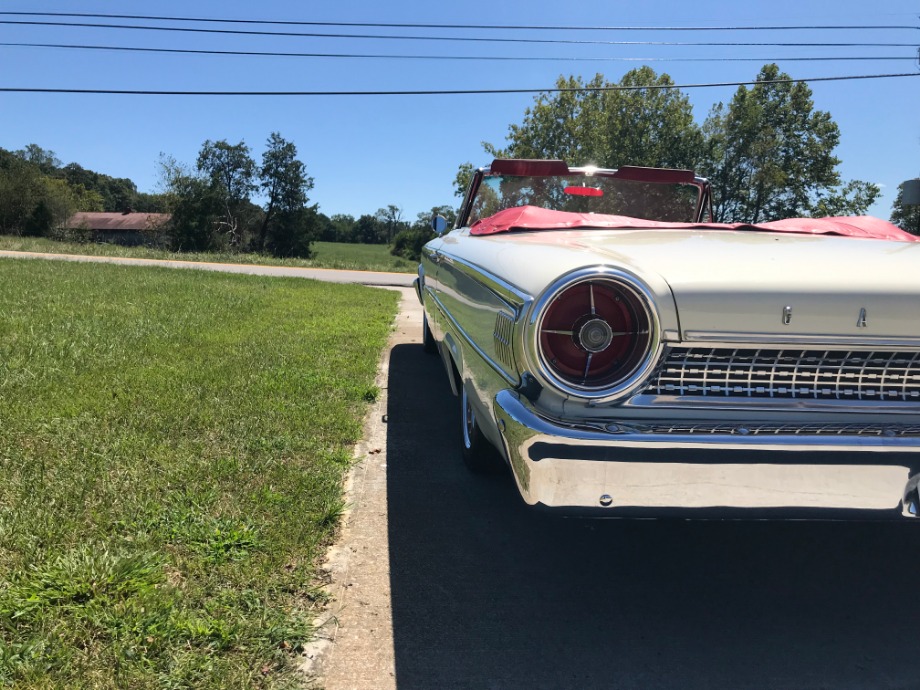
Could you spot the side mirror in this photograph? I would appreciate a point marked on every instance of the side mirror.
(438, 224)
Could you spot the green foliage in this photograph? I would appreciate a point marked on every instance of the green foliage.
(390, 222)
(26, 206)
(644, 126)
(231, 172)
(288, 226)
(291, 232)
(196, 206)
(172, 446)
(770, 155)
(44, 159)
(40, 220)
(463, 179)
(338, 228)
(408, 243)
(114, 195)
(367, 230)
(37, 195)
(905, 217)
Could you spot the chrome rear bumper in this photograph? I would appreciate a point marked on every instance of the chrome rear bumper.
(641, 471)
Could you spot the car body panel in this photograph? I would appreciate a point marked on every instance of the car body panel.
(710, 430)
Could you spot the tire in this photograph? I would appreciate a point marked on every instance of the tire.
(479, 456)
(429, 344)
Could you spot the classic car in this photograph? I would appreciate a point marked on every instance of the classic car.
(626, 356)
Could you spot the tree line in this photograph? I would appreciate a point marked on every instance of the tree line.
(768, 153)
(210, 203)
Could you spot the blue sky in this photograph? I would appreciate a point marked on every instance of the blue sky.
(365, 152)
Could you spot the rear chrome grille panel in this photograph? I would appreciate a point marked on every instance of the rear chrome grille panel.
(502, 334)
(788, 374)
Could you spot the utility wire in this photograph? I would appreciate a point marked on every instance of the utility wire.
(508, 27)
(372, 56)
(450, 92)
(467, 39)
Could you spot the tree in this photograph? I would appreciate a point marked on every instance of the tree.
(231, 171)
(43, 159)
(639, 124)
(769, 155)
(367, 230)
(35, 203)
(195, 205)
(408, 242)
(463, 179)
(342, 228)
(390, 221)
(288, 224)
(905, 217)
(118, 194)
(21, 188)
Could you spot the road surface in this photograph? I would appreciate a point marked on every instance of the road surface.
(326, 274)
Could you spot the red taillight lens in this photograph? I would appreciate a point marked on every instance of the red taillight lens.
(594, 335)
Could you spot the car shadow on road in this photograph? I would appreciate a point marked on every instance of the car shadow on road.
(488, 593)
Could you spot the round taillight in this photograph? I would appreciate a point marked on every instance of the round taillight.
(594, 335)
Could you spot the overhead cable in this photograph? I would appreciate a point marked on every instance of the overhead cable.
(378, 56)
(446, 92)
(459, 39)
(508, 27)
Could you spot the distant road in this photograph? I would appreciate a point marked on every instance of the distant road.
(326, 274)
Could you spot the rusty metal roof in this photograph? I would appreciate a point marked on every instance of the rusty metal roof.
(116, 222)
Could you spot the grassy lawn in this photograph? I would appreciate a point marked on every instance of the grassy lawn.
(172, 446)
(357, 257)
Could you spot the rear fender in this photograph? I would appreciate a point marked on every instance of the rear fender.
(452, 357)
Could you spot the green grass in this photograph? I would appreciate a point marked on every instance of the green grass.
(172, 447)
(356, 257)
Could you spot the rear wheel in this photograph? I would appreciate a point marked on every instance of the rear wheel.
(479, 456)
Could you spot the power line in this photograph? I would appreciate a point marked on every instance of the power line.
(508, 27)
(373, 56)
(450, 92)
(459, 39)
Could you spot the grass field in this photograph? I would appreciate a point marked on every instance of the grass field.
(172, 446)
(357, 257)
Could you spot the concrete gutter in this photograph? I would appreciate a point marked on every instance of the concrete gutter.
(354, 647)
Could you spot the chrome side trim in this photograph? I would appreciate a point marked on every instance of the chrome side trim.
(622, 433)
(469, 341)
(774, 341)
(890, 430)
(516, 298)
(690, 402)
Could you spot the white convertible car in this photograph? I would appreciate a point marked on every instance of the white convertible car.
(626, 356)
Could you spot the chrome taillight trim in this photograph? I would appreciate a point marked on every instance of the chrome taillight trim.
(633, 380)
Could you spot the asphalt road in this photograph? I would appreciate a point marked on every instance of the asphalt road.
(325, 274)
(487, 593)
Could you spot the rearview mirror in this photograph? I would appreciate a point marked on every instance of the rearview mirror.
(438, 224)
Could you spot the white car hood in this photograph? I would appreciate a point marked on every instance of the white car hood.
(735, 285)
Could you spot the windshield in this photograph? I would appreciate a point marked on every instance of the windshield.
(587, 193)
